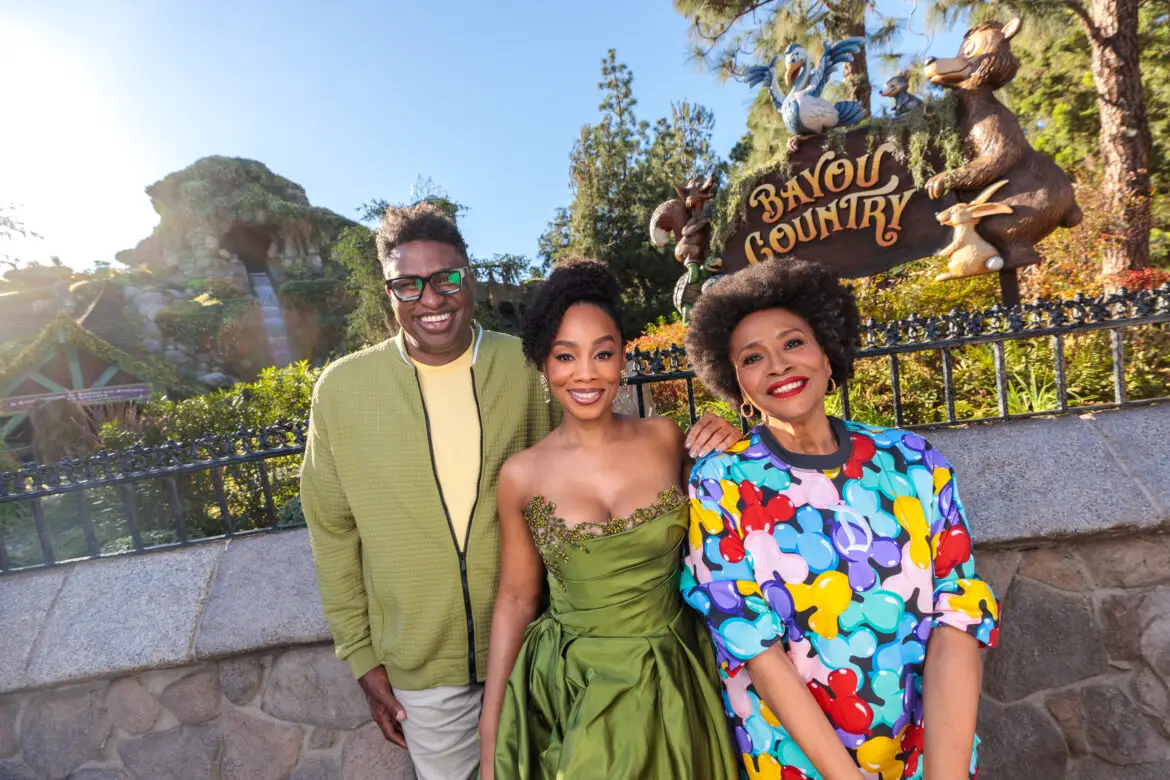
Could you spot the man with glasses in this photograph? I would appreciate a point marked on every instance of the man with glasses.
(405, 441)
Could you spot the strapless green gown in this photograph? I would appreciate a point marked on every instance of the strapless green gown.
(617, 680)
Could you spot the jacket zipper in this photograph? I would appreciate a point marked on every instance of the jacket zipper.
(471, 665)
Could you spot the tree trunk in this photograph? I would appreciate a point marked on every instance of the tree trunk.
(1124, 142)
(856, 73)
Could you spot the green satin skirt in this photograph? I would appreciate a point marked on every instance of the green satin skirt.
(617, 680)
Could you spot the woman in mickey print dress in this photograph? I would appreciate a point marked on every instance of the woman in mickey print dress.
(832, 561)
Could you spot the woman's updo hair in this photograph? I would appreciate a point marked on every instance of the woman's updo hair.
(807, 289)
(572, 281)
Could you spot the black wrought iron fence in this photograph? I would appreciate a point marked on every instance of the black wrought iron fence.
(967, 367)
(1040, 359)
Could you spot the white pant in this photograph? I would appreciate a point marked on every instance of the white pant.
(440, 730)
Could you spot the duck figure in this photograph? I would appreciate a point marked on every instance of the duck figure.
(806, 114)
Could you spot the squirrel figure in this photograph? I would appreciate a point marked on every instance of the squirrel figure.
(898, 88)
(686, 220)
(969, 253)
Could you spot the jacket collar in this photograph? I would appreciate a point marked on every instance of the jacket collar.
(400, 342)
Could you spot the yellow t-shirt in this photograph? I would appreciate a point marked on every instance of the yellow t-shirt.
(455, 435)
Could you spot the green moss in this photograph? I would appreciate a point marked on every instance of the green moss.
(38, 275)
(911, 135)
(64, 330)
(311, 293)
(215, 192)
(191, 322)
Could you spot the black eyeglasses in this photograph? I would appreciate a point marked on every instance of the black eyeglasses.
(410, 288)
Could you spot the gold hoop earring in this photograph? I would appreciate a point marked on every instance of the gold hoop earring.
(832, 389)
(547, 391)
(747, 410)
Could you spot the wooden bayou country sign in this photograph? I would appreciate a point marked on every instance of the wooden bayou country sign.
(839, 206)
(851, 201)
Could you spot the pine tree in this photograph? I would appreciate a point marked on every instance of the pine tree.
(620, 169)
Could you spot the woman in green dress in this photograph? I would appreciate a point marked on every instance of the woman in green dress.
(617, 679)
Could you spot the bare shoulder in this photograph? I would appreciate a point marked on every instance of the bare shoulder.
(514, 473)
(664, 431)
(516, 480)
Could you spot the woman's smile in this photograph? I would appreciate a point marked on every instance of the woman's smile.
(787, 388)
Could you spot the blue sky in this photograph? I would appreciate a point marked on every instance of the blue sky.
(353, 100)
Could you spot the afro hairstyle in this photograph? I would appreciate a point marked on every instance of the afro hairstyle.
(807, 289)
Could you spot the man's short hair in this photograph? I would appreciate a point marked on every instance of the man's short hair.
(423, 221)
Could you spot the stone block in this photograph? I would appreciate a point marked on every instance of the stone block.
(258, 749)
(997, 568)
(322, 739)
(1055, 566)
(1065, 707)
(1154, 699)
(311, 686)
(1139, 437)
(178, 357)
(317, 768)
(1047, 640)
(195, 698)
(239, 679)
(9, 712)
(1009, 477)
(1091, 768)
(1129, 562)
(147, 626)
(1121, 626)
(1155, 641)
(23, 610)
(99, 774)
(1118, 731)
(368, 756)
(264, 595)
(182, 753)
(63, 730)
(16, 770)
(1019, 743)
(132, 708)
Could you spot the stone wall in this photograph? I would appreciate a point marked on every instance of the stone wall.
(295, 714)
(206, 663)
(1079, 686)
(212, 662)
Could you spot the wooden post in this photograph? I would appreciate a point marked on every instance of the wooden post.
(1009, 287)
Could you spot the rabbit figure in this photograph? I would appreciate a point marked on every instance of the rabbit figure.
(969, 253)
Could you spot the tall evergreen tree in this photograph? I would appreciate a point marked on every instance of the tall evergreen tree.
(620, 169)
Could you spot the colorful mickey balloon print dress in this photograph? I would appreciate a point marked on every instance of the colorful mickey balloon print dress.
(849, 560)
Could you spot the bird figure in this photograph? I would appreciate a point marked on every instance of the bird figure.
(898, 88)
(805, 113)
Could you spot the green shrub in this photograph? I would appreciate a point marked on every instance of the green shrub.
(278, 395)
(38, 275)
(195, 321)
(292, 514)
(311, 293)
